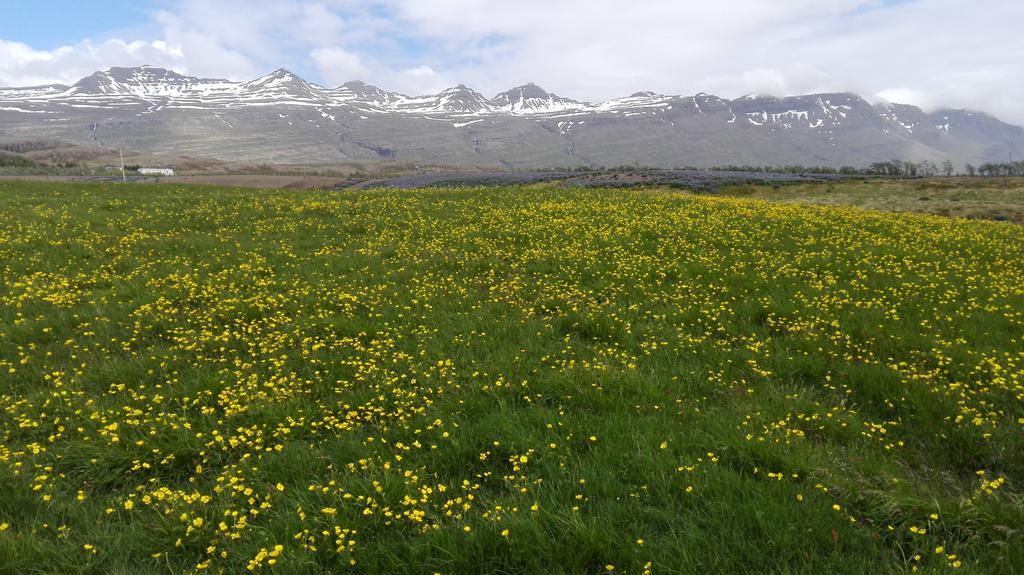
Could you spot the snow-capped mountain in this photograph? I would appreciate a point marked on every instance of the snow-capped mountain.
(142, 82)
(283, 118)
(531, 98)
(279, 87)
(456, 100)
(361, 92)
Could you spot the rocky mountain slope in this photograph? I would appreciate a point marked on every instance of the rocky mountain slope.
(281, 118)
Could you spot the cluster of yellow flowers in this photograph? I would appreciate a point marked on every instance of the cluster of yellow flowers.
(268, 378)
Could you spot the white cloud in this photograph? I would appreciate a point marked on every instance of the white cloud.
(906, 96)
(337, 65)
(962, 53)
(318, 24)
(21, 65)
(419, 80)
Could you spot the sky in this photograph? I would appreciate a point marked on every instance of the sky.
(931, 53)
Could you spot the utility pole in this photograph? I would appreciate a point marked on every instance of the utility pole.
(124, 178)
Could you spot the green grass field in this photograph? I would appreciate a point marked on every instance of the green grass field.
(975, 198)
(503, 380)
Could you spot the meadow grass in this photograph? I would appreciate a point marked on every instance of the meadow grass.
(503, 380)
(999, 199)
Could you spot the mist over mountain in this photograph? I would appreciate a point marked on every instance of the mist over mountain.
(281, 118)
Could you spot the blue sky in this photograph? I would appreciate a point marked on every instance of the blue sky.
(960, 53)
(67, 21)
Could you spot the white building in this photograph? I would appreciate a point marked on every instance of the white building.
(156, 171)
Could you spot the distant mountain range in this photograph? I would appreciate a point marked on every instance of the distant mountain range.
(281, 118)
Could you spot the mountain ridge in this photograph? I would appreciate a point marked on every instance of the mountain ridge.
(526, 126)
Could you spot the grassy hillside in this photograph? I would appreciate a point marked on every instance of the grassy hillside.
(503, 380)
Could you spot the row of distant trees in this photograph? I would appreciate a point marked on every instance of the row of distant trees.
(898, 168)
(1001, 169)
(29, 146)
(893, 168)
(929, 169)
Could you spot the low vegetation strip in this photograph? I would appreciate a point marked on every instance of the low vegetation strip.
(997, 199)
(691, 179)
(503, 380)
(14, 161)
